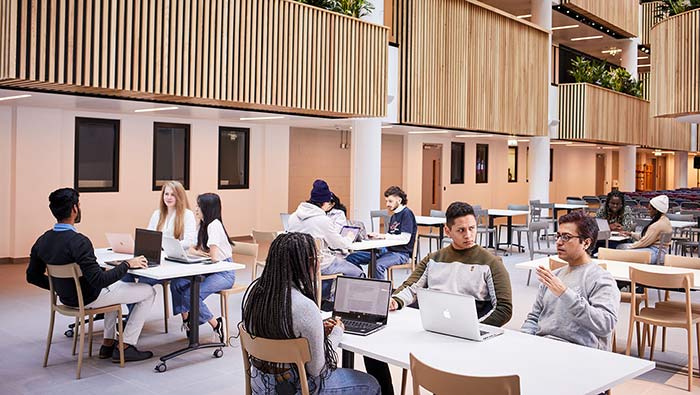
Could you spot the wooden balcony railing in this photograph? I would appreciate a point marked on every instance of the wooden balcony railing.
(675, 62)
(621, 15)
(648, 20)
(591, 113)
(272, 55)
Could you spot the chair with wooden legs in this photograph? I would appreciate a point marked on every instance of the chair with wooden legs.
(72, 271)
(672, 318)
(289, 351)
(321, 277)
(245, 253)
(444, 383)
(263, 240)
(626, 297)
(410, 265)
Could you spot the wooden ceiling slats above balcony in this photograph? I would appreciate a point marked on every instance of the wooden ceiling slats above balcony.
(273, 55)
(621, 15)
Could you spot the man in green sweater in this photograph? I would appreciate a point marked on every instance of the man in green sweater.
(464, 268)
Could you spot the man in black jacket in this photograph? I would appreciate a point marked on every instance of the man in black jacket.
(63, 245)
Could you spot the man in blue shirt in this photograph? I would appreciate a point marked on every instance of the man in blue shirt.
(402, 226)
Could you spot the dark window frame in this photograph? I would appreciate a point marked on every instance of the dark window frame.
(246, 184)
(515, 174)
(453, 178)
(156, 125)
(116, 123)
(486, 165)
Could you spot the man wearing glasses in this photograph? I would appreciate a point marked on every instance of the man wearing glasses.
(577, 303)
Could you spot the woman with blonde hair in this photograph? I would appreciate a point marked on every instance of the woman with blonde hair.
(173, 216)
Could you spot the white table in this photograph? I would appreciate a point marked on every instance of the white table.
(436, 222)
(545, 366)
(496, 213)
(682, 224)
(169, 270)
(568, 208)
(373, 245)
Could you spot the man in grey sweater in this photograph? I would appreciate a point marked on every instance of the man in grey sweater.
(577, 303)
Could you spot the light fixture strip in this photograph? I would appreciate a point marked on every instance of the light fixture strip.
(156, 109)
(14, 97)
(261, 118)
(586, 38)
(565, 27)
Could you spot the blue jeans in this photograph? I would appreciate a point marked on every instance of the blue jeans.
(385, 259)
(653, 249)
(339, 381)
(339, 265)
(212, 283)
(130, 278)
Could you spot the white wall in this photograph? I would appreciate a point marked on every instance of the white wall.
(6, 180)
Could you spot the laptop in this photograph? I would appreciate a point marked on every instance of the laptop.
(453, 315)
(148, 244)
(175, 252)
(351, 233)
(121, 243)
(603, 225)
(363, 231)
(362, 304)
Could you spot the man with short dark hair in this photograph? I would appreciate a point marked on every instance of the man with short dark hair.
(402, 226)
(63, 245)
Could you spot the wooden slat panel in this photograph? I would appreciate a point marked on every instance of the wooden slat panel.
(461, 82)
(675, 61)
(623, 15)
(648, 20)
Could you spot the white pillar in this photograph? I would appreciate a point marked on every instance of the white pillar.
(273, 193)
(694, 137)
(680, 169)
(628, 168)
(538, 169)
(629, 56)
(366, 162)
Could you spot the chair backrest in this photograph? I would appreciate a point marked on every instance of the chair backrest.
(71, 270)
(593, 200)
(634, 256)
(572, 200)
(246, 253)
(675, 281)
(631, 202)
(263, 240)
(383, 215)
(690, 205)
(686, 262)
(681, 217)
(437, 213)
(285, 221)
(518, 207)
(292, 351)
(444, 383)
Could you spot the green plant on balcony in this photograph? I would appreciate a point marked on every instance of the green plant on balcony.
(598, 73)
(674, 7)
(354, 8)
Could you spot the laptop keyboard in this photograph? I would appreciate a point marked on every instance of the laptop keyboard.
(359, 326)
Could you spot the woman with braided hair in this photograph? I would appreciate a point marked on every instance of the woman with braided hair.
(280, 304)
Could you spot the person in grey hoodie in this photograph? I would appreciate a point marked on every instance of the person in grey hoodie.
(577, 303)
(311, 218)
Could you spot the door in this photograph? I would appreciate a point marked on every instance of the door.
(432, 178)
(600, 174)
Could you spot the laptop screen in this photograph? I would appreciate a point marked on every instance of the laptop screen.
(361, 295)
(148, 244)
(350, 232)
(603, 225)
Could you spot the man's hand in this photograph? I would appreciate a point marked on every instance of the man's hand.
(393, 304)
(552, 282)
(137, 263)
(375, 235)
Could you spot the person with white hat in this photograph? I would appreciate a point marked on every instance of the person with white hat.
(650, 237)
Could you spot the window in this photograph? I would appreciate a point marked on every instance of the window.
(96, 155)
(457, 164)
(512, 164)
(171, 154)
(482, 163)
(233, 158)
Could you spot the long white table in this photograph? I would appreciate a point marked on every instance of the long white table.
(170, 270)
(373, 245)
(509, 214)
(682, 224)
(545, 366)
(568, 208)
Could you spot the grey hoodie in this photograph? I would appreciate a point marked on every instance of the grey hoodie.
(311, 219)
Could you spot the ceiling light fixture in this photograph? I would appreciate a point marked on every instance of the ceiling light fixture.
(560, 143)
(261, 118)
(524, 16)
(474, 135)
(613, 51)
(14, 97)
(642, 57)
(644, 65)
(387, 127)
(428, 132)
(156, 109)
(565, 27)
(582, 145)
(586, 38)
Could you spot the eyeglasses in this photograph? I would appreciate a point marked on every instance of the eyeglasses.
(565, 237)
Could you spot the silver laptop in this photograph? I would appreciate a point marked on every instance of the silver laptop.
(121, 243)
(362, 235)
(175, 252)
(362, 304)
(603, 225)
(452, 314)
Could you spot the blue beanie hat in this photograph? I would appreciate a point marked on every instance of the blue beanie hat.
(320, 192)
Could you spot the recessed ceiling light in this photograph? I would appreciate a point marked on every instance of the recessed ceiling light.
(387, 127)
(156, 109)
(642, 57)
(586, 38)
(644, 65)
(560, 143)
(474, 135)
(524, 16)
(565, 27)
(261, 118)
(14, 97)
(582, 145)
(428, 132)
(610, 147)
(523, 140)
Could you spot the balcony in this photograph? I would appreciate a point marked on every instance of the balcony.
(675, 61)
(620, 15)
(594, 114)
(273, 55)
(648, 20)
(466, 65)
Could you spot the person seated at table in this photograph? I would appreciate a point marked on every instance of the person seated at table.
(311, 218)
(616, 213)
(212, 242)
(281, 304)
(577, 303)
(63, 245)
(463, 267)
(338, 213)
(650, 237)
(402, 226)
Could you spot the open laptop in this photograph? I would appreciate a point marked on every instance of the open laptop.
(351, 233)
(452, 314)
(362, 304)
(148, 244)
(121, 243)
(363, 231)
(175, 252)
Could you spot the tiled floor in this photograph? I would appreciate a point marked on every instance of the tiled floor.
(23, 337)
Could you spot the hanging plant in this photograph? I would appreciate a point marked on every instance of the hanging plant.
(674, 7)
(598, 73)
(354, 8)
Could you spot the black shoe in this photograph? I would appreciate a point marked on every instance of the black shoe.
(219, 330)
(185, 327)
(131, 354)
(106, 351)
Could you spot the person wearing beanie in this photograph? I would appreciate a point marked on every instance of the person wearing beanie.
(311, 217)
(650, 237)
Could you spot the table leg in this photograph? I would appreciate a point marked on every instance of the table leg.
(348, 359)
(555, 213)
(372, 263)
(491, 218)
(509, 226)
(442, 235)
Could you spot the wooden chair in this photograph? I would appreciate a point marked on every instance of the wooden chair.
(672, 318)
(241, 251)
(410, 265)
(73, 271)
(263, 240)
(611, 254)
(667, 303)
(291, 351)
(444, 383)
(321, 277)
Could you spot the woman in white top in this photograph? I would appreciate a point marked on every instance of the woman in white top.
(174, 217)
(212, 242)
